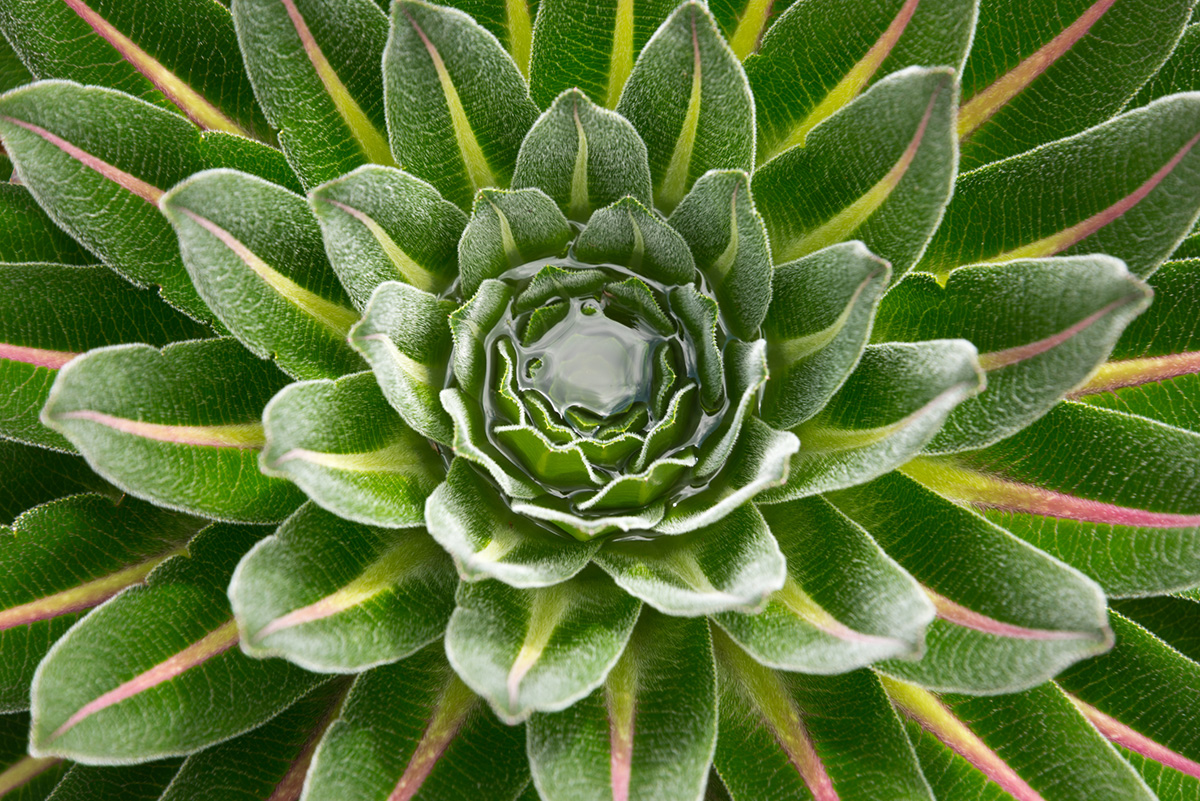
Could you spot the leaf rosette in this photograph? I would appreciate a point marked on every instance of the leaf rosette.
(603, 400)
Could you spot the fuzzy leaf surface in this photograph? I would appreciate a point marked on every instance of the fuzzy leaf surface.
(179, 427)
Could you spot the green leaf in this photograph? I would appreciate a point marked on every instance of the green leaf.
(1033, 745)
(414, 730)
(471, 443)
(688, 98)
(179, 427)
(339, 597)
(405, 337)
(314, 65)
(350, 452)
(647, 733)
(144, 49)
(819, 56)
(254, 252)
(541, 649)
(103, 187)
(734, 563)
(844, 603)
(583, 157)
(508, 229)
(28, 235)
(488, 539)
(32, 476)
(992, 635)
(629, 234)
(1136, 531)
(130, 783)
(457, 106)
(590, 45)
(791, 735)
(1032, 60)
(1179, 73)
(64, 558)
(272, 759)
(1129, 188)
(1141, 694)
(1042, 327)
(718, 220)
(880, 171)
(818, 322)
(382, 225)
(13, 71)
(155, 671)
(890, 407)
(49, 313)
(1153, 370)
(758, 462)
(233, 152)
(511, 22)
(22, 776)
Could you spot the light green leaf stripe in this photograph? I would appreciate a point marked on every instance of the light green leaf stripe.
(336, 318)
(335, 596)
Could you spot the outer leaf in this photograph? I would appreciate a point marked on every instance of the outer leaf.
(508, 229)
(488, 539)
(817, 324)
(790, 735)
(1137, 532)
(1128, 188)
(178, 427)
(103, 187)
(272, 759)
(1042, 327)
(819, 56)
(1030, 745)
(154, 672)
(647, 733)
(890, 407)
(1022, 82)
(992, 635)
(414, 730)
(688, 98)
(457, 107)
(254, 252)
(405, 337)
(583, 156)
(142, 48)
(844, 603)
(1179, 73)
(538, 649)
(719, 222)
(339, 597)
(32, 476)
(28, 235)
(629, 234)
(314, 67)
(382, 225)
(731, 564)
(64, 558)
(22, 776)
(1141, 694)
(132, 783)
(590, 45)
(50, 313)
(881, 171)
(1153, 370)
(347, 449)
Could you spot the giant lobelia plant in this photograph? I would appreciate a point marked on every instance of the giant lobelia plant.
(599, 399)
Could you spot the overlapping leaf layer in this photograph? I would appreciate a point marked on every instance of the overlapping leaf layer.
(590, 399)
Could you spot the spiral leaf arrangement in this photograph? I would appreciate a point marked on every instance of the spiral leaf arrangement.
(591, 399)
